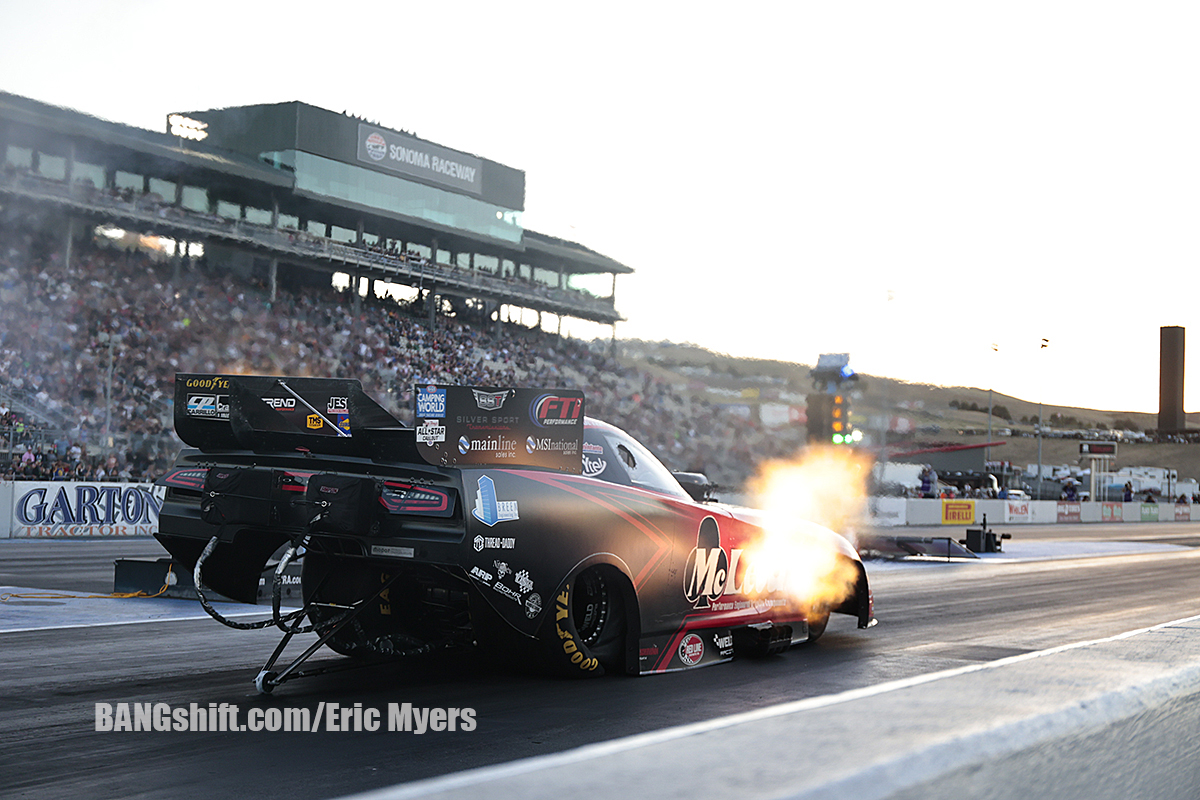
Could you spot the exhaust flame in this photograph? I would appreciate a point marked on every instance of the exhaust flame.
(801, 499)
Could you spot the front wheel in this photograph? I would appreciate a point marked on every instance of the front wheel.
(586, 633)
(818, 618)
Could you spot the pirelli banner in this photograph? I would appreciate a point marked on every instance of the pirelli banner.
(494, 427)
(70, 510)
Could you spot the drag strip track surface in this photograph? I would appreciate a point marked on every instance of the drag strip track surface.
(932, 617)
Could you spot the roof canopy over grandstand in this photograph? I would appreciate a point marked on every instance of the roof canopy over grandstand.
(288, 186)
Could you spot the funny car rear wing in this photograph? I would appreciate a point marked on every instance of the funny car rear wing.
(269, 413)
(458, 426)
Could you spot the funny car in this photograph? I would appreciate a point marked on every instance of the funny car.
(504, 519)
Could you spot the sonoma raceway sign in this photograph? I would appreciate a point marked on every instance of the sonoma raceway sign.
(84, 509)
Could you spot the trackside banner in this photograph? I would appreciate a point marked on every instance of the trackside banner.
(65, 510)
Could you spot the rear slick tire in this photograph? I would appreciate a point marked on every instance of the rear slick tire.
(586, 633)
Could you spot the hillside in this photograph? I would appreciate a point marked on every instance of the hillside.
(926, 409)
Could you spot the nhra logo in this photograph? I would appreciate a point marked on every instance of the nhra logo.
(376, 147)
(550, 409)
(490, 401)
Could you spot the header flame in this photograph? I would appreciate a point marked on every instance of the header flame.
(825, 488)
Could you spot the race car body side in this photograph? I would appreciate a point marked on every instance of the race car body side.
(604, 563)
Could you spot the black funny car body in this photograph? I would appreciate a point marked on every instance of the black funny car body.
(504, 519)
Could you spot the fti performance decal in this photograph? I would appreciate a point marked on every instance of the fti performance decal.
(551, 409)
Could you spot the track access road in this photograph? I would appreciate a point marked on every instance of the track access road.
(932, 616)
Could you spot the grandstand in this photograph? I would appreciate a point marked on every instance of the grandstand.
(93, 326)
(277, 191)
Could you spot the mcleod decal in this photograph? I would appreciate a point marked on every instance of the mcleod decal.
(710, 574)
(562, 608)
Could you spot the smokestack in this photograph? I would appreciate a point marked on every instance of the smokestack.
(1170, 380)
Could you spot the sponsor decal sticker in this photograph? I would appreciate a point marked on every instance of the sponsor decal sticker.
(592, 449)
(550, 410)
(464, 445)
(281, 403)
(593, 466)
(523, 581)
(481, 574)
(208, 405)
(508, 592)
(533, 605)
(502, 568)
(691, 650)
(490, 510)
(430, 434)
(482, 543)
(490, 401)
(723, 641)
(394, 552)
(431, 402)
(314, 421)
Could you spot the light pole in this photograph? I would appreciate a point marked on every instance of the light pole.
(1045, 344)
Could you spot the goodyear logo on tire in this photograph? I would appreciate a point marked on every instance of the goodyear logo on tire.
(562, 607)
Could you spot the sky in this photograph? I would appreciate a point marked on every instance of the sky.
(931, 187)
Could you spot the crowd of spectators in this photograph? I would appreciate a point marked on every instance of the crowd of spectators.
(98, 343)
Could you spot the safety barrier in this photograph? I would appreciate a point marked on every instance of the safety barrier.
(893, 511)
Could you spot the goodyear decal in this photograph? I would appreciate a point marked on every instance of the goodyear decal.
(562, 607)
